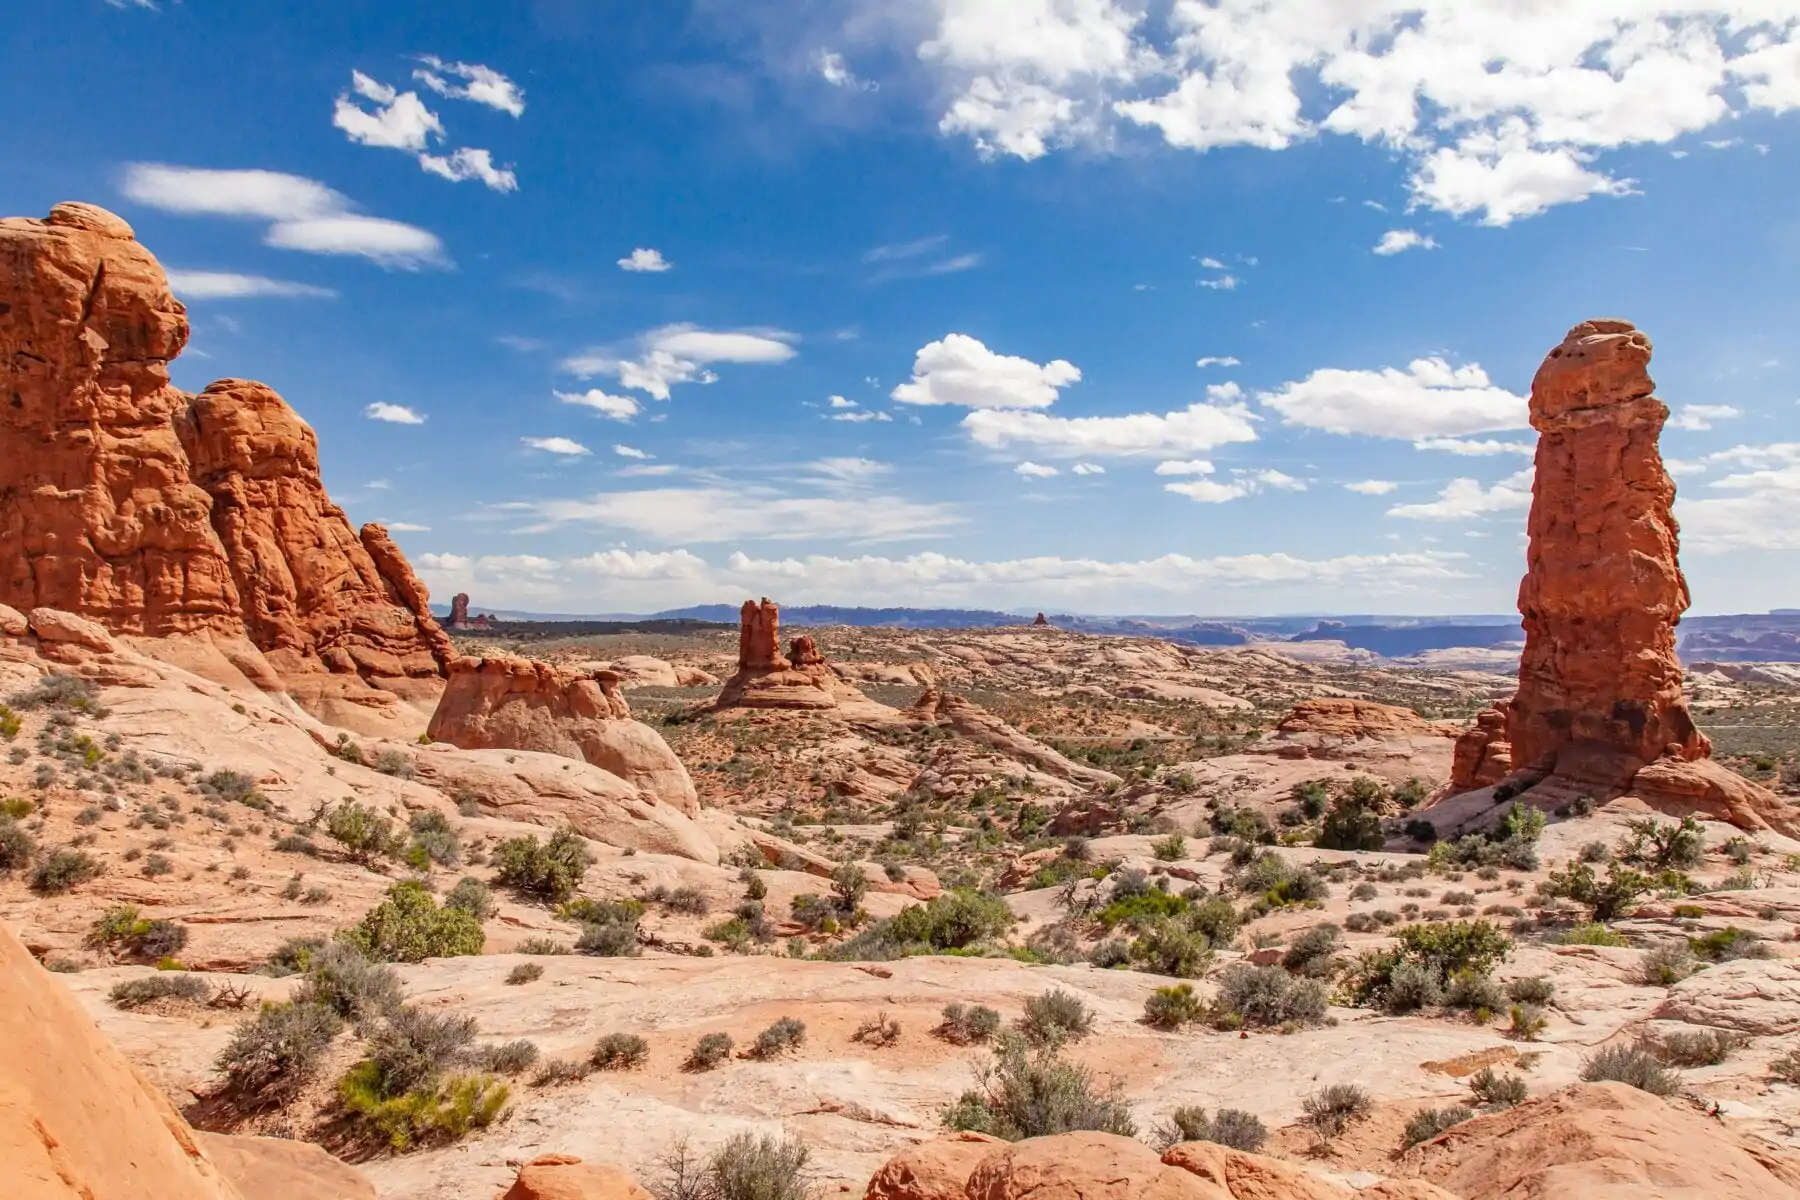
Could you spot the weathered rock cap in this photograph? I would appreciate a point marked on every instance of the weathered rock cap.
(1600, 363)
(73, 214)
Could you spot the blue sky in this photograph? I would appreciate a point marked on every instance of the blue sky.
(1097, 305)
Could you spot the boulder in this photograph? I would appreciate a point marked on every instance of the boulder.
(509, 703)
(1083, 1166)
(283, 1169)
(932, 1171)
(1605, 1141)
(560, 1177)
(1760, 997)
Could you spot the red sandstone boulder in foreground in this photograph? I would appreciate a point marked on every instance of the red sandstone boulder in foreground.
(508, 703)
(1600, 696)
(77, 1122)
(560, 1177)
(1604, 1141)
(1102, 1166)
(198, 521)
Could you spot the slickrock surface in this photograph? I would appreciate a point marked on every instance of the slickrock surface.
(153, 513)
(512, 703)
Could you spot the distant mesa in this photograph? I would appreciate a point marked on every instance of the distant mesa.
(1600, 710)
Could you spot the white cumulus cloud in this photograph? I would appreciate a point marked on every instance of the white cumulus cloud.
(645, 261)
(1372, 487)
(1465, 498)
(960, 370)
(1031, 470)
(1193, 430)
(393, 414)
(1429, 398)
(1394, 241)
(1082, 468)
(482, 85)
(563, 446)
(676, 354)
(617, 408)
(1696, 417)
(631, 452)
(1217, 361)
(376, 114)
(1474, 447)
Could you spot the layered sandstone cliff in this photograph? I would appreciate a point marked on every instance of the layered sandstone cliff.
(1600, 686)
(200, 521)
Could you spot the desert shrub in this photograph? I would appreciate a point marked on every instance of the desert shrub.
(434, 840)
(1353, 822)
(1054, 1017)
(540, 945)
(1266, 997)
(754, 887)
(744, 1168)
(408, 926)
(1364, 891)
(1330, 1110)
(1361, 922)
(57, 690)
(1113, 952)
(164, 985)
(1022, 1094)
(811, 911)
(788, 1033)
(1455, 946)
(279, 1049)
(1173, 1007)
(1528, 1021)
(1593, 934)
(1530, 989)
(16, 846)
(1167, 948)
(877, 1030)
(525, 973)
(506, 1058)
(1632, 1065)
(1227, 1127)
(1410, 987)
(1312, 952)
(849, 884)
(1216, 918)
(157, 864)
(612, 939)
(1474, 992)
(1493, 1090)
(1427, 1123)
(393, 762)
(551, 870)
(437, 1111)
(1787, 1067)
(1666, 965)
(1723, 945)
(359, 829)
(711, 1050)
(1141, 909)
(1169, 849)
(955, 920)
(620, 1052)
(471, 896)
(1608, 899)
(341, 979)
(1691, 1048)
(121, 930)
(968, 1023)
(1664, 846)
(554, 1071)
(63, 869)
(412, 1046)
(689, 900)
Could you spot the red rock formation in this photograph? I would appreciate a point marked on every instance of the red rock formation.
(804, 652)
(157, 514)
(1600, 696)
(98, 514)
(459, 612)
(759, 637)
(561, 1177)
(1042, 622)
(1603, 591)
(506, 703)
(802, 679)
